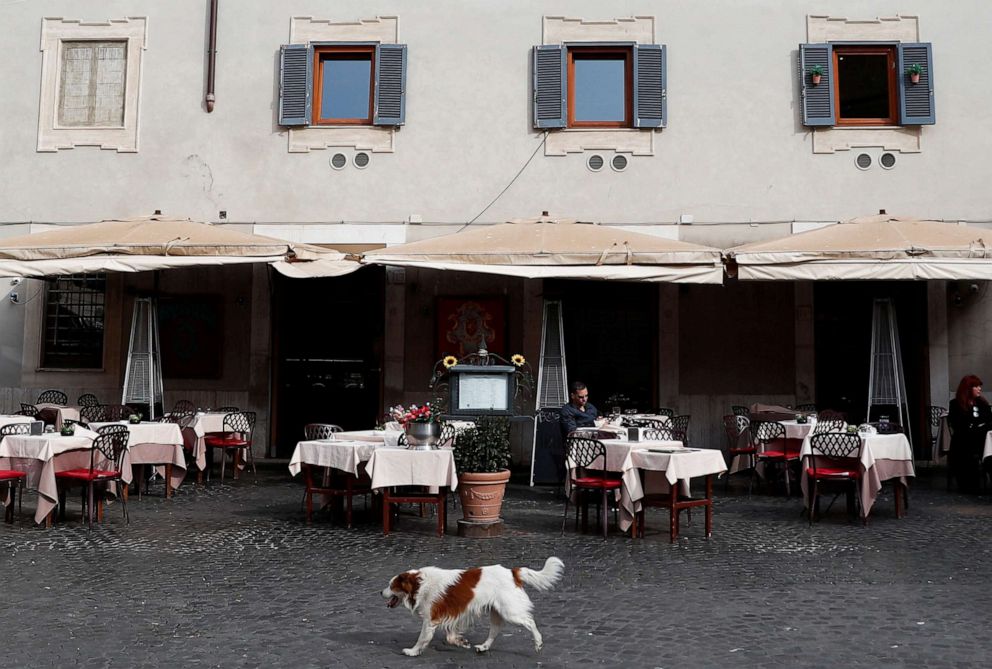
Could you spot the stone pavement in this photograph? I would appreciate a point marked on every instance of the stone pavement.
(231, 576)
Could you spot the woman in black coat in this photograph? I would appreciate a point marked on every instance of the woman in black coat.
(970, 417)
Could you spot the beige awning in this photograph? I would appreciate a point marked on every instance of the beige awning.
(547, 248)
(156, 242)
(875, 247)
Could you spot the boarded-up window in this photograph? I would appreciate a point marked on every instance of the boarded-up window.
(91, 91)
(74, 312)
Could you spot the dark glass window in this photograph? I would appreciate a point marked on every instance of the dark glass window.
(344, 83)
(599, 86)
(865, 85)
(74, 313)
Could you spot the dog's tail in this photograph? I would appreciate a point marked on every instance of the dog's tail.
(547, 577)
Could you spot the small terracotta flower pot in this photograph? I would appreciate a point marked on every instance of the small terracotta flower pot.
(816, 79)
(914, 78)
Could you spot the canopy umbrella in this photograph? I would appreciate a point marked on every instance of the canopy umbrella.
(157, 242)
(549, 248)
(879, 247)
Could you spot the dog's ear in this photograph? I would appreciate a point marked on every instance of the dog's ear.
(408, 582)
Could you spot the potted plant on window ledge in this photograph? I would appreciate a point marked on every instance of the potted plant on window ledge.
(815, 72)
(914, 71)
(482, 460)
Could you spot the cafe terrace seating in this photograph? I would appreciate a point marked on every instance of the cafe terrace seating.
(28, 410)
(13, 478)
(773, 448)
(334, 483)
(88, 400)
(235, 437)
(106, 466)
(835, 458)
(53, 397)
(740, 410)
(585, 464)
(828, 426)
(735, 427)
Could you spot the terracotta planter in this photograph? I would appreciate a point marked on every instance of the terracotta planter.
(482, 495)
(816, 79)
(914, 78)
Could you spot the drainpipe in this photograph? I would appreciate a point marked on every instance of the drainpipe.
(212, 56)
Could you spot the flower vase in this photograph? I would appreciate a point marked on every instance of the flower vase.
(422, 436)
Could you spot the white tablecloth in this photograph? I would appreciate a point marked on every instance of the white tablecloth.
(884, 457)
(62, 413)
(155, 444)
(204, 423)
(388, 467)
(44, 455)
(11, 420)
(345, 455)
(388, 437)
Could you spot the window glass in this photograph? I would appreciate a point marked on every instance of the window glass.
(91, 91)
(346, 86)
(74, 321)
(863, 85)
(600, 88)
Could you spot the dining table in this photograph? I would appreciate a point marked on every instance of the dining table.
(392, 469)
(42, 456)
(6, 419)
(795, 433)
(884, 457)
(660, 470)
(152, 443)
(62, 412)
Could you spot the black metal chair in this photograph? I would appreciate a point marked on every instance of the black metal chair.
(228, 409)
(236, 437)
(585, 463)
(665, 411)
(12, 476)
(92, 414)
(833, 425)
(88, 400)
(680, 429)
(106, 466)
(660, 433)
(314, 431)
(115, 412)
(53, 397)
(182, 406)
(740, 410)
(835, 458)
(15, 428)
(934, 416)
(806, 408)
(28, 410)
(772, 448)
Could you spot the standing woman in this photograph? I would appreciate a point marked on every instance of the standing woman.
(970, 418)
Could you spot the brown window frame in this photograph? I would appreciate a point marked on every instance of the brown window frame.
(320, 55)
(628, 86)
(85, 298)
(890, 53)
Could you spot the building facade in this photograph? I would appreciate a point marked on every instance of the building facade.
(359, 126)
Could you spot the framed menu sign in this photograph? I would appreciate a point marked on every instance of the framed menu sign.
(481, 390)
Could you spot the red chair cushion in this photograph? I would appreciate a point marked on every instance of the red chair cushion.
(833, 472)
(593, 482)
(779, 455)
(87, 475)
(743, 451)
(8, 474)
(227, 441)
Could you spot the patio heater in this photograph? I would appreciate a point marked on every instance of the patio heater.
(547, 457)
(886, 379)
(143, 375)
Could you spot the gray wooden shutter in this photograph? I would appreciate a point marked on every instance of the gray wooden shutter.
(916, 100)
(390, 85)
(817, 101)
(550, 87)
(295, 84)
(650, 86)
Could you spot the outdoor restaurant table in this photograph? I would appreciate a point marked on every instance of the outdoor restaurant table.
(40, 457)
(393, 467)
(388, 437)
(61, 412)
(202, 424)
(10, 420)
(343, 454)
(884, 457)
(793, 431)
(155, 444)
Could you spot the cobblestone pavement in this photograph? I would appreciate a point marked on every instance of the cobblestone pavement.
(231, 576)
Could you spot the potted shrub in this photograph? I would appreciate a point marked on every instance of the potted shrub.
(134, 418)
(815, 73)
(914, 71)
(482, 460)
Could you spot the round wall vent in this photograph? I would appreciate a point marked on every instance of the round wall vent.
(595, 162)
(361, 160)
(338, 161)
(619, 163)
(863, 161)
(887, 160)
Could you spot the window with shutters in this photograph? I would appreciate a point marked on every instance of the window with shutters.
(91, 92)
(344, 85)
(865, 86)
(73, 329)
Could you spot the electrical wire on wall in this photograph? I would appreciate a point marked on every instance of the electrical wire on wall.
(516, 176)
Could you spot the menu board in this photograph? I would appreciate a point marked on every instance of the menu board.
(482, 389)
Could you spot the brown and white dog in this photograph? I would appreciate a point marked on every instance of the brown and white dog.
(452, 598)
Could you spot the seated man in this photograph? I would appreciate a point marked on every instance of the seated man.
(578, 412)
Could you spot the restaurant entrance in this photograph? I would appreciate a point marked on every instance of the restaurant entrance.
(843, 348)
(611, 339)
(327, 339)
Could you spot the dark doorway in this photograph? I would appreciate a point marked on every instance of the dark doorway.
(328, 350)
(843, 348)
(611, 340)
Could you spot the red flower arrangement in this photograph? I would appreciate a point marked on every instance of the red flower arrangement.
(415, 414)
